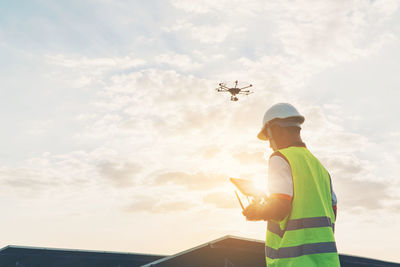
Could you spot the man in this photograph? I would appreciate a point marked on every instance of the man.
(301, 207)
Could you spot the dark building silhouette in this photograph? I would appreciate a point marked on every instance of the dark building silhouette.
(228, 251)
(15, 256)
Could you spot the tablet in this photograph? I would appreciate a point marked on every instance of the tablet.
(246, 187)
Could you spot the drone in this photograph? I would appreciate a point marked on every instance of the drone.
(234, 91)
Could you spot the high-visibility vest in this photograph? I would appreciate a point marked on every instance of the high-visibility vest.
(305, 237)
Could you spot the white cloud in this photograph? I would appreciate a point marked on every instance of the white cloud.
(222, 7)
(221, 200)
(196, 181)
(120, 173)
(85, 71)
(207, 34)
(155, 205)
(39, 127)
(199, 6)
(96, 63)
(183, 62)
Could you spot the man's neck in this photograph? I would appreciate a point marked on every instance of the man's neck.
(292, 142)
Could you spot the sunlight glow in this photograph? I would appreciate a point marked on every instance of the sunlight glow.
(261, 183)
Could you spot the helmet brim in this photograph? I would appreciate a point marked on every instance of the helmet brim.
(262, 136)
(287, 122)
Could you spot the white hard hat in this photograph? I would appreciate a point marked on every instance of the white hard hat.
(285, 115)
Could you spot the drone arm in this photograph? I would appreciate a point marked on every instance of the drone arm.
(246, 92)
(246, 87)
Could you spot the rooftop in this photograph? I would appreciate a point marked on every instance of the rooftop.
(227, 251)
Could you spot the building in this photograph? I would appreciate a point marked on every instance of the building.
(228, 251)
(15, 256)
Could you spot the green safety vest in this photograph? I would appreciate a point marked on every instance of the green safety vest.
(305, 237)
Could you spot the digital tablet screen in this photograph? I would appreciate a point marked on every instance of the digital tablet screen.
(246, 187)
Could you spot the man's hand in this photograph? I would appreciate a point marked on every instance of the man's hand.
(254, 212)
(274, 209)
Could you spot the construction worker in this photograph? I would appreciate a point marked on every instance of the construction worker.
(301, 207)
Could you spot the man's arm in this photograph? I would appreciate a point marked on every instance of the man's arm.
(334, 199)
(335, 211)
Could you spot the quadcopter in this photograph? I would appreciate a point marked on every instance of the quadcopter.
(234, 91)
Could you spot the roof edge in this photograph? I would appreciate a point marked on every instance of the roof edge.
(6, 247)
(78, 250)
(200, 246)
(368, 259)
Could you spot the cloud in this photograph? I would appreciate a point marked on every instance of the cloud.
(396, 206)
(64, 173)
(97, 64)
(223, 7)
(40, 127)
(207, 34)
(195, 181)
(250, 157)
(361, 193)
(221, 200)
(354, 184)
(155, 205)
(39, 177)
(85, 71)
(197, 6)
(25, 179)
(324, 130)
(346, 164)
(300, 40)
(210, 151)
(150, 101)
(121, 174)
(183, 62)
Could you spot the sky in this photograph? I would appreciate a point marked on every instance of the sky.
(114, 138)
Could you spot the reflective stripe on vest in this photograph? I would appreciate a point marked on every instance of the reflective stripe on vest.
(306, 249)
(297, 224)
